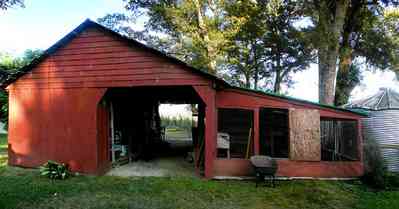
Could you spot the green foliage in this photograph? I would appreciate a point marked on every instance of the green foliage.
(54, 170)
(11, 65)
(347, 80)
(6, 4)
(375, 168)
(245, 42)
(177, 122)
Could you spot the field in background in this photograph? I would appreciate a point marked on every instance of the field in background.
(24, 188)
(177, 128)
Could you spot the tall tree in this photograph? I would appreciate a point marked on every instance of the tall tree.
(330, 21)
(287, 50)
(339, 23)
(245, 55)
(369, 34)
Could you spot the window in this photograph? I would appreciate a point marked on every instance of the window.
(338, 140)
(274, 134)
(235, 133)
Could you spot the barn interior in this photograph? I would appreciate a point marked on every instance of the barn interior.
(142, 144)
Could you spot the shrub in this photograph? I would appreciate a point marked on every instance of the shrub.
(54, 170)
(374, 165)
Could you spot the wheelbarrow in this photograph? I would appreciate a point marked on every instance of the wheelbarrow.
(264, 166)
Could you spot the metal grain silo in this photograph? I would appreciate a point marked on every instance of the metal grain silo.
(382, 123)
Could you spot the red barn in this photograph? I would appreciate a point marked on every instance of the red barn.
(63, 107)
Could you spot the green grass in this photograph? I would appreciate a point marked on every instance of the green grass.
(175, 133)
(3, 150)
(24, 188)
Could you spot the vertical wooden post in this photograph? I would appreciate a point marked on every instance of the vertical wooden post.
(359, 139)
(256, 131)
(208, 96)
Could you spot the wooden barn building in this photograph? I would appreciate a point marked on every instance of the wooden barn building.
(65, 105)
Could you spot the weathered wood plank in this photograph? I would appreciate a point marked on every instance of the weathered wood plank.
(305, 142)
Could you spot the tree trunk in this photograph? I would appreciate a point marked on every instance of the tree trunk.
(203, 30)
(256, 78)
(346, 83)
(277, 83)
(330, 25)
(247, 80)
(278, 78)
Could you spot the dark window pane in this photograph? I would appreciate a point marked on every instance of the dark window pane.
(274, 132)
(237, 123)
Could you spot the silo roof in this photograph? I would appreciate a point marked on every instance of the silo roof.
(384, 99)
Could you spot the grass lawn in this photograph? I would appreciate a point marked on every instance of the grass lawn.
(24, 188)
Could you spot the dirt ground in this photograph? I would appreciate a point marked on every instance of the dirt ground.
(167, 166)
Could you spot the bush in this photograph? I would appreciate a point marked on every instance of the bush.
(374, 165)
(391, 181)
(54, 170)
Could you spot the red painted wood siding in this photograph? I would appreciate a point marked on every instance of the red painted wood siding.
(96, 59)
(232, 98)
(54, 124)
(103, 144)
(54, 112)
(248, 100)
(289, 168)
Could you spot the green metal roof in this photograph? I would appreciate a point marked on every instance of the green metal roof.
(358, 112)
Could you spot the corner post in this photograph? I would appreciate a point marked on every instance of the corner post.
(208, 96)
(256, 131)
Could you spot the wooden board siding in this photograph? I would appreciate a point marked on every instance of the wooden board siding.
(304, 135)
(96, 59)
(54, 124)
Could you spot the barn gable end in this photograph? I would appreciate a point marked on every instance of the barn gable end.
(96, 58)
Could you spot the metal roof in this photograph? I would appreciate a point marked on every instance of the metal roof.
(384, 99)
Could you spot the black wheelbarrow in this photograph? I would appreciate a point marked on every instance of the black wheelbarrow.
(264, 166)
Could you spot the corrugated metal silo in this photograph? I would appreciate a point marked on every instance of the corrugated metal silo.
(382, 123)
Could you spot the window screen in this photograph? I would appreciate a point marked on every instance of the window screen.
(338, 140)
(274, 133)
(237, 123)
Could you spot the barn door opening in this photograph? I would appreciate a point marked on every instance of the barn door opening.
(156, 131)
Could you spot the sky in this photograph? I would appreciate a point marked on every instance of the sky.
(43, 22)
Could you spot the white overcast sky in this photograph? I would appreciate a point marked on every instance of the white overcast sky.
(42, 22)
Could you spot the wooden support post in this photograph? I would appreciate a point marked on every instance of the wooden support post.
(256, 131)
(360, 140)
(249, 144)
(208, 96)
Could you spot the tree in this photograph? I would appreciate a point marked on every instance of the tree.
(287, 50)
(6, 4)
(242, 41)
(369, 34)
(11, 65)
(198, 25)
(245, 54)
(347, 80)
(342, 24)
(330, 21)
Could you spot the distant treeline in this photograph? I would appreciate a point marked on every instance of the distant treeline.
(176, 122)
